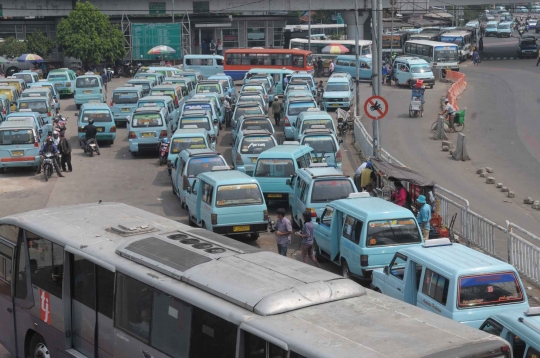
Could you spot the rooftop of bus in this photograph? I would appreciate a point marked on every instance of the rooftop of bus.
(266, 51)
(431, 43)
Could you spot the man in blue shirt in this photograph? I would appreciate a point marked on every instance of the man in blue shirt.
(424, 216)
(384, 72)
(49, 147)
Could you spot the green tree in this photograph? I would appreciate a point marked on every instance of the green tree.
(39, 44)
(11, 47)
(88, 35)
(471, 12)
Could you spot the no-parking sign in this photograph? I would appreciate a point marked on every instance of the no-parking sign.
(376, 107)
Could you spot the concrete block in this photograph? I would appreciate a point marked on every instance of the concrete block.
(504, 189)
(528, 200)
(489, 170)
(480, 171)
(440, 134)
(536, 205)
(461, 149)
(499, 185)
(446, 143)
(445, 148)
(511, 194)
(490, 180)
(483, 175)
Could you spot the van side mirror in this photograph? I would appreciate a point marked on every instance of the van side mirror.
(318, 220)
(341, 141)
(288, 182)
(77, 114)
(385, 270)
(215, 121)
(188, 189)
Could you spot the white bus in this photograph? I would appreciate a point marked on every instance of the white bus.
(463, 40)
(318, 45)
(302, 31)
(109, 280)
(440, 55)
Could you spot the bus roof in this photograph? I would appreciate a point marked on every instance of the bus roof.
(431, 43)
(308, 310)
(267, 51)
(315, 26)
(344, 42)
(456, 33)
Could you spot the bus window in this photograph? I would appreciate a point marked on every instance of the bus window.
(256, 347)
(46, 264)
(133, 307)
(212, 336)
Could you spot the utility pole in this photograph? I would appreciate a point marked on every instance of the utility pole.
(173, 11)
(309, 26)
(392, 2)
(376, 31)
(357, 50)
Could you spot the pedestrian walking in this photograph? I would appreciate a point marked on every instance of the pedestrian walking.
(105, 79)
(481, 44)
(424, 216)
(320, 66)
(307, 239)
(276, 109)
(389, 74)
(219, 47)
(384, 72)
(283, 232)
(538, 56)
(65, 150)
(331, 68)
(212, 47)
(475, 57)
(228, 111)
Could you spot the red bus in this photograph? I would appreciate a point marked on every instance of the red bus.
(238, 61)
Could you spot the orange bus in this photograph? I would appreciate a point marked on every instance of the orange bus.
(238, 61)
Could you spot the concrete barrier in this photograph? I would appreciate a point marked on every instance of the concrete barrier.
(461, 149)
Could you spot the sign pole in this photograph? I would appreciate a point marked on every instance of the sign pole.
(357, 85)
(377, 133)
(376, 30)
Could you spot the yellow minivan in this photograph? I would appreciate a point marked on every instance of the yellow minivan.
(11, 93)
(15, 82)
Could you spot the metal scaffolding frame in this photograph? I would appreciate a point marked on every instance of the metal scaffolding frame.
(412, 6)
(125, 25)
(186, 35)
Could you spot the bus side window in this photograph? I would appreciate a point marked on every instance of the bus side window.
(256, 347)
(212, 336)
(46, 264)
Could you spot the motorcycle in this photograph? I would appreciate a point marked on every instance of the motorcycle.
(48, 158)
(163, 151)
(343, 127)
(91, 147)
(60, 123)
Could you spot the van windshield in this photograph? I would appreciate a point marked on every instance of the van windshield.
(145, 86)
(35, 106)
(308, 80)
(27, 94)
(337, 87)
(491, 26)
(125, 97)
(57, 77)
(257, 124)
(201, 106)
(242, 194)
(146, 120)
(214, 88)
(240, 111)
(297, 108)
(504, 26)
(392, 232)
(16, 136)
(329, 190)
(256, 144)
(179, 144)
(87, 82)
(159, 92)
(276, 168)
(197, 166)
(309, 123)
(320, 143)
(420, 69)
(26, 77)
(98, 115)
(489, 289)
(202, 122)
(157, 103)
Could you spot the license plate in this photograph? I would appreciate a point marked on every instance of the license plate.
(17, 153)
(254, 159)
(126, 109)
(315, 160)
(147, 135)
(240, 228)
(57, 84)
(99, 129)
(334, 104)
(87, 92)
(275, 195)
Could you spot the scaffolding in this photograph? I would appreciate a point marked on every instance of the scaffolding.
(186, 35)
(411, 6)
(125, 24)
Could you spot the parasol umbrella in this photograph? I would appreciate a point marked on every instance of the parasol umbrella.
(335, 49)
(30, 57)
(161, 50)
(3, 60)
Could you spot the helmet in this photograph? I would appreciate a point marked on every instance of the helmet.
(90, 121)
(55, 132)
(49, 140)
(276, 98)
(165, 140)
(446, 100)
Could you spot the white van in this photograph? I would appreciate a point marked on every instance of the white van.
(208, 65)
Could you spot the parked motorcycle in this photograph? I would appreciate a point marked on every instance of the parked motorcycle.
(59, 123)
(91, 147)
(343, 127)
(48, 158)
(163, 151)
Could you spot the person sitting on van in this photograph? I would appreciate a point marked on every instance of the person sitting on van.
(424, 216)
(49, 147)
(399, 196)
(307, 239)
(449, 112)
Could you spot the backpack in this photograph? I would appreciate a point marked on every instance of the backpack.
(212, 46)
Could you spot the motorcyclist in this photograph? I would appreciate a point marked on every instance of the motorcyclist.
(90, 133)
(49, 147)
(449, 112)
(56, 138)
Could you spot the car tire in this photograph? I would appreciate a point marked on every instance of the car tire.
(38, 347)
(345, 270)
(254, 235)
(111, 142)
(134, 154)
(78, 106)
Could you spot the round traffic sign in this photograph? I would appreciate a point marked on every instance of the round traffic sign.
(376, 107)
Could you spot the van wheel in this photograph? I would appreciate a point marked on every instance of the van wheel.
(317, 252)
(38, 347)
(190, 220)
(411, 84)
(345, 270)
(111, 142)
(3, 170)
(254, 236)
(78, 106)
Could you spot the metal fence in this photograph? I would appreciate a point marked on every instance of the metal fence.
(512, 243)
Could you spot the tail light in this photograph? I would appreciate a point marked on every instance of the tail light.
(48, 113)
(239, 159)
(213, 138)
(176, 101)
(4, 111)
(287, 123)
(113, 129)
(214, 219)
(265, 215)
(68, 84)
(112, 103)
(338, 156)
(364, 260)
(56, 100)
(101, 90)
(312, 211)
(163, 134)
(132, 135)
(36, 144)
(81, 130)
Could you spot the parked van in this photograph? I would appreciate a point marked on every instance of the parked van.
(277, 74)
(51, 87)
(325, 145)
(175, 92)
(42, 127)
(252, 122)
(195, 76)
(27, 76)
(276, 165)
(339, 91)
(229, 85)
(207, 65)
(165, 71)
(184, 139)
(200, 118)
(452, 280)
(12, 95)
(227, 202)
(145, 83)
(158, 77)
(520, 328)
(243, 109)
(161, 101)
(362, 233)
(306, 77)
(314, 187)
(491, 28)
(212, 86)
(199, 102)
(147, 127)
(89, 88)
(218, 103)
(20, 85)
(293, 108)
(188, 86)
(20, 143)
(39, 104)
(267, 81)
(347, 64)
(103, 121)
(407, 70)
(40, 92)
(247, 147)
(312, 117)
(190, 163)
(63, 79)
(124, 101)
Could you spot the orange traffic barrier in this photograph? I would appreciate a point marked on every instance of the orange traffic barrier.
(458, 87)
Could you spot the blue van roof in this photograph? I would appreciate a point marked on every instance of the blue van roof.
(188, 131)
(520, 325)
(372, 208)
(127, 89)
(457, 260)
(23, 122)
(95, 106)
(155, 98)
(285, 149)
(353, 57)
(314, 114)
(226, 177)
(322, 172)
(23, 114)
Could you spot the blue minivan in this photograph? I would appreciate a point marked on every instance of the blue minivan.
(124, 101)
(147, 127)
(347, 64)
(103, 121)
(227, 202)
(20, 143)
(295, 106)
(207, 65)
(248, 146)
(89, 88)
(184, 139)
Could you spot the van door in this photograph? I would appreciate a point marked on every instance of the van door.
(395, 278)
(413, 276)
(434, 293)
(192, 200)
(207, 195)
(350, 241)
(322, 232)
(301, 198)
(403, 74)
(7, 260)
